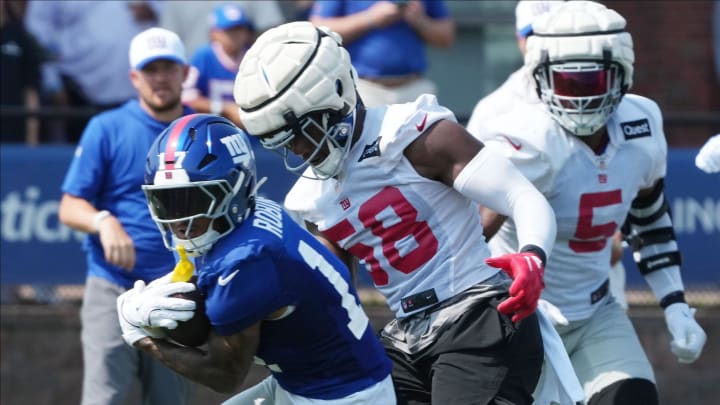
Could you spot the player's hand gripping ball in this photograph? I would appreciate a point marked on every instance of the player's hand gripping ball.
(193, 332)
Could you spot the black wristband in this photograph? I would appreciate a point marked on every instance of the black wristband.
(672, 298)
(537, 250)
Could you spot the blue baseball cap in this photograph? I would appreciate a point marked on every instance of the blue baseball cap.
(226, 16)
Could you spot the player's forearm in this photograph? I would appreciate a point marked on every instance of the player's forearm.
(654, 244)
(195, 364)
(509, 193)
(77, 213)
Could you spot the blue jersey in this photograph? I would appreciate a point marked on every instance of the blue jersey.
(394, 50)
(212, 75)
(325, 347)
(108, 170)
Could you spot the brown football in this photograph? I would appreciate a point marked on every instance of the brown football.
(193, 332)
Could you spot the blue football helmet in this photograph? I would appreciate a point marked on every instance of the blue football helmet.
(201, 167)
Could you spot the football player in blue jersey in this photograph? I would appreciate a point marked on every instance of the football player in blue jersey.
(273, 292)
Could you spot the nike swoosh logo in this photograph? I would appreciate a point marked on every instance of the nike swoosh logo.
(222, 281)
(515, 145)
(421, 125)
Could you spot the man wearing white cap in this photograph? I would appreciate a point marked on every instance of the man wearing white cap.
(102, 197)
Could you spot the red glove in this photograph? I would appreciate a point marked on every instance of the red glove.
(526, 269)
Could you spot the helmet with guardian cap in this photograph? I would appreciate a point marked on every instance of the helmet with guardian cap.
(297, 80)
(582, 61)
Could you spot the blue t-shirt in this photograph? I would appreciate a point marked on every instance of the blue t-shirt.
(325, 348)
(394, 50)
(214, 80)
(108, 170)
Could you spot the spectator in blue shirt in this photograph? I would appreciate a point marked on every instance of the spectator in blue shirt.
(102, 196)
(209, 87)
(386, 41)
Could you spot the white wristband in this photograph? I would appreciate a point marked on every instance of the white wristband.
(99, 218)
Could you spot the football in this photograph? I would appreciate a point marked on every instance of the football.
(193, 332)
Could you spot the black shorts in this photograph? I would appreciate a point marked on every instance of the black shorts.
(483, 358)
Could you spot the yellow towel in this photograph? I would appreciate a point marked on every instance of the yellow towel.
(184, 268)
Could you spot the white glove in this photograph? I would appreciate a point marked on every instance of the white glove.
(708, 159)
(688, 337)
(552, 313)
(144, 308)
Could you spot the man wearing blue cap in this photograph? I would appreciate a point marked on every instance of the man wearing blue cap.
(102, 197)
(209, 87)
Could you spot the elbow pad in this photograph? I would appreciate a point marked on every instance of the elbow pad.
(491, 180)
(653, 242)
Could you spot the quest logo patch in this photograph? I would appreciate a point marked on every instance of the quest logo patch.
(635, 129)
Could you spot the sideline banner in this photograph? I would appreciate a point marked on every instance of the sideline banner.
(36, 248)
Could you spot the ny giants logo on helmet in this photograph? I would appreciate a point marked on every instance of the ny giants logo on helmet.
(237, 148)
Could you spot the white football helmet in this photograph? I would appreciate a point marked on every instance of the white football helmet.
(295, 80)
(582, 61)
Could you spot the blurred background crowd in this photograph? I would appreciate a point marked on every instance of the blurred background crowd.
(63, 61)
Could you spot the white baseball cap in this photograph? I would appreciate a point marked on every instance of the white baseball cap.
(153, 44)
(528, 11)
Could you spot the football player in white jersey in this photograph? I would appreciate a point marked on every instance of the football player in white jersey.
(520, 88)
(397, 187)
(599, 156)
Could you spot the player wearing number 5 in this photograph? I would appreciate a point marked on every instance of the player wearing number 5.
(599, 155)
(273, 293)
(397, 186)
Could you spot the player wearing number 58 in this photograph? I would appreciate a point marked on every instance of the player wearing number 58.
(273, 293)
(397, 186)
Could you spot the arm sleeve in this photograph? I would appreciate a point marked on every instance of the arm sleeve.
(492, 181)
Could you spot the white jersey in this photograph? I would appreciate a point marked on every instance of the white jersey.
(591, 194)
(421, 240)
(518, 88)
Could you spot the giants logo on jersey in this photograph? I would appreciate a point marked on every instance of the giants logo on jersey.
(635, 129)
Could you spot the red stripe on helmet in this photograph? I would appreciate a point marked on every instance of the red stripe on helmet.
(174, 139)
